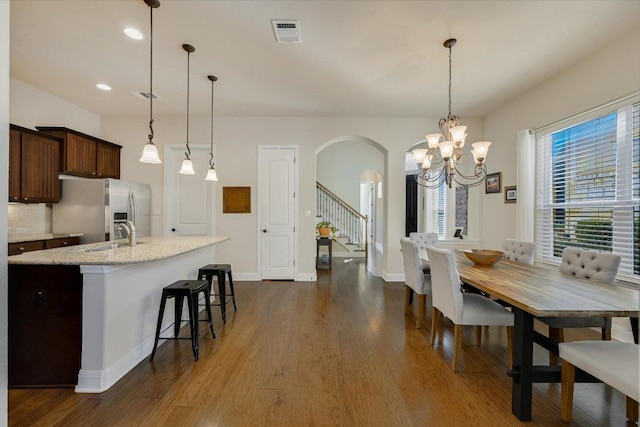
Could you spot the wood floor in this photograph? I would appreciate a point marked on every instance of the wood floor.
(338, 352)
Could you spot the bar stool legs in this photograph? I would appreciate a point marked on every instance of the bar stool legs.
(219, 270)
(179, 290)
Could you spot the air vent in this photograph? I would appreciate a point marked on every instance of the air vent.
(145, 95)
(287, 31)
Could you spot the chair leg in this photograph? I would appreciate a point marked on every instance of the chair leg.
(192, 302)
(606, 334)
(179, 300)
(557, 335)
(233, 292)
(163, 302)
(510, 345)
(207, 300)
(478, 331)
(422, 300)
(408, 296)
(632, 410)
(457, 345)
(222, 290)
(566, 392)
(435, 317)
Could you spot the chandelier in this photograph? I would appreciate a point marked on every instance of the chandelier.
(439, 163)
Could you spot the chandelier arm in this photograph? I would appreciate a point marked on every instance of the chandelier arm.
(425, 179)
(471, 181)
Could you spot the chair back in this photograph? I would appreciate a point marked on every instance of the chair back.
(413, 274)
(589, 264)
(424, 239)
(446, 292)
(519, 250)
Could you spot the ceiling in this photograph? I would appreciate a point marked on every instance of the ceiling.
(357, 58)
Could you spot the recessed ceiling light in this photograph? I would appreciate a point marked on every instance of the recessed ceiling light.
(133, 33)
(103, 86)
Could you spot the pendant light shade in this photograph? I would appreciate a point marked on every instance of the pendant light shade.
(187, 164)
(211, 173)
(150, 151)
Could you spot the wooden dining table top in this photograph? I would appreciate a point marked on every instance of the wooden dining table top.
(545, 291)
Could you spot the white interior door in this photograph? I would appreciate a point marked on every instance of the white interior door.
(188, 199)
(277, 212)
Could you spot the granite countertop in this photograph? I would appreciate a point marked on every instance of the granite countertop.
(148, 249)
(17, 238)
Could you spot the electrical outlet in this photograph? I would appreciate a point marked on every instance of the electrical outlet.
(22, 230)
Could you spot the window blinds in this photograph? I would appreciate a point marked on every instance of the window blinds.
(588, 188)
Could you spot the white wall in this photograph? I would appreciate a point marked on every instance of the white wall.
(604, 76)
(31, 107)
(237, 140)
(339, 167)
(4, 196)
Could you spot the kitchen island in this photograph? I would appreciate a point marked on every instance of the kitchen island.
(120, 289)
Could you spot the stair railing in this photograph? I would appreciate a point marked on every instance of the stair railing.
(349, 222)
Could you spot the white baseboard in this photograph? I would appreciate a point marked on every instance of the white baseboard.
(392, 277)
(245, 277)
(306, 277)
(97, 381)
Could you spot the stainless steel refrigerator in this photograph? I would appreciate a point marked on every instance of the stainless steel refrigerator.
(94, 207)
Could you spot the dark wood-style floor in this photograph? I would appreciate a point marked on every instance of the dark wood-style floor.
(332, 353)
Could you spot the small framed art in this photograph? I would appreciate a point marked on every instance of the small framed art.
(510, 194)
(493, 184)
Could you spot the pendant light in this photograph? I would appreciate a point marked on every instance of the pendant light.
(211, 174)
(187, 165)
(150, 151)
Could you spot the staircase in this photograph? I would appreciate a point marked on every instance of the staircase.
(351, 237)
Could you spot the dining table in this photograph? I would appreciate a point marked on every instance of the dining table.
(534, 291)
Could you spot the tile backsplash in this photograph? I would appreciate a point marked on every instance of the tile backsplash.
(32, 218)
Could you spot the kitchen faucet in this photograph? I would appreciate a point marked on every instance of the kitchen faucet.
(131, 232)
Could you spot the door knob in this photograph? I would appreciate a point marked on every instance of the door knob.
(173, 230)
(264, 230)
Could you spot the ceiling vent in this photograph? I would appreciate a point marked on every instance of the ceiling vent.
(145, 95)
(287, 31)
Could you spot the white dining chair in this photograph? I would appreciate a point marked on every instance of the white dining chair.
(519, 250)
(585, 264)
(424, 239)
(613, 363)
(414, 278)
(462, 308)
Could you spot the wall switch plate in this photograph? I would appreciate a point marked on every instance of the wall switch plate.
(307, 213)
(156, 212)
(22, 230)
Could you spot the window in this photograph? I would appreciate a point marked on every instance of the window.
(431, 203)
(588, 188)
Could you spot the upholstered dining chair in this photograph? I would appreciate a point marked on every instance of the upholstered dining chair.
(462, 308)
(423, 240)
(519, 250)
(415, 279)
(586, 264)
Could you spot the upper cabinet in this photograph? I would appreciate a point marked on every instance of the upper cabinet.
(34, 162)
(84, 155)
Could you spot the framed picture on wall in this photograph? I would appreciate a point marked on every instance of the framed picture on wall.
(510, 194)
(493, 184)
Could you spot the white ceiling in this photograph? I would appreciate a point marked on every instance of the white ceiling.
(357, 58)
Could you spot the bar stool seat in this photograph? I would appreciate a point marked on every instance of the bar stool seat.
(179, 290)
(219, 270)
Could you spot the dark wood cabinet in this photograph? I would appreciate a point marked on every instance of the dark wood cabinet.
(33, 166)
(61, 242)
(22, 247)
(108, 161)
(85, 155)
(45, 325)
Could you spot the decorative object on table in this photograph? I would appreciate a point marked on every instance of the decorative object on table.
(325, 229)
(150, 151)
(462, 208)
(211, 173)
(458, 234)
(485, 257)
(510, 194)
(187, 164)
(493, 183)
(236, 199)
(438, 164)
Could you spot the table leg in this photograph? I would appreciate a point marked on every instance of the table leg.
(522, 383)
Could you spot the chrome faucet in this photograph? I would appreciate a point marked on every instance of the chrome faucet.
(131, 232)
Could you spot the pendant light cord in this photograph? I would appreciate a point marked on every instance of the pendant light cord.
(188, 153)
(211, 148)
(151, 79)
